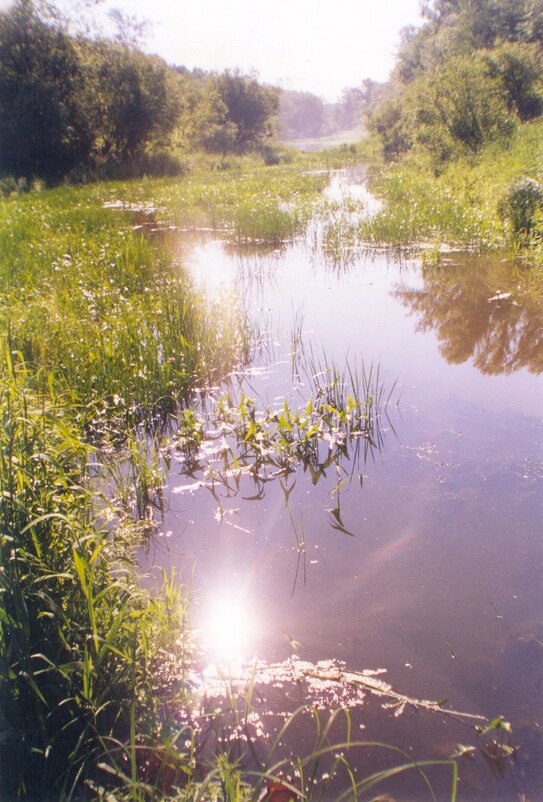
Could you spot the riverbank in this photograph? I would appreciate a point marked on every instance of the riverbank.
(460, 206)
(123, 374)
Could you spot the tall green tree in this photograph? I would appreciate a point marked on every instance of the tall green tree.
(131, 99)
(44, 131)
(466, 76)
(250, 106)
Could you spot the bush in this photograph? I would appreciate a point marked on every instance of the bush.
(273, 155)
(522, 205)
(459, 108)
(389, 122)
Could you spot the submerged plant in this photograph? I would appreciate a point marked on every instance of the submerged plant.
(339, 423)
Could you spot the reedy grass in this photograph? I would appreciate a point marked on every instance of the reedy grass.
(458, 206)
(82, 643)
(237, 774)
(102, 309)
(251, 202)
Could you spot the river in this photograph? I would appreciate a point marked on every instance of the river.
(427, 560)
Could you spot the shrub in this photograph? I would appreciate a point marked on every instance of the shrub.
(459, 108)
(522, 205)
(274, 155)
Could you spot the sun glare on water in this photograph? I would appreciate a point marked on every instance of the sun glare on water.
(229, 629)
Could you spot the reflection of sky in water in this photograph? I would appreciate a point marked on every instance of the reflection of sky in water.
(442, 582)
(351, 185)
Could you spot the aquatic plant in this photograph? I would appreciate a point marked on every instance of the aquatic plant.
(340, 422)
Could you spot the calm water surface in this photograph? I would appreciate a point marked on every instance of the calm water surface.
(441, 580)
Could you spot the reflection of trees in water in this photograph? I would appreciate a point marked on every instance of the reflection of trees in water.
(459, 302)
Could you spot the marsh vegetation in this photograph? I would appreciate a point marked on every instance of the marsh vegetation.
(270, 464)
(123, 409)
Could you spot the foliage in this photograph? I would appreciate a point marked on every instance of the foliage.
(90, 107)
(131, 99)
(522, 206)
(388, 121)
(463, 78)
(250, 108)
(520, 71)
(44, 130)
(68, 102)
(459, 107)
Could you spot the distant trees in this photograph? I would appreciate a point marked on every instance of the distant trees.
(250, 107)
(301, 114)
(465, 77)
(305, 115)
(79, 103)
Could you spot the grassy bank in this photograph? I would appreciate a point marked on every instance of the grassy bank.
(101, 334)
(82, 643)
(88, 298)
(460, 205)
(104, 339)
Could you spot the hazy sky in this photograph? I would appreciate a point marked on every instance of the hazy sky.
(316, 45)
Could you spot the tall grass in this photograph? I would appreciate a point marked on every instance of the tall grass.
(102, 308)
(249, 201)
(82, 643)
(460, 205)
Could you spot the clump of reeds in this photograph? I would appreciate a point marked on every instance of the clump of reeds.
(83, 645)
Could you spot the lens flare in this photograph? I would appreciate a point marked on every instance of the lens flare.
(229, 628)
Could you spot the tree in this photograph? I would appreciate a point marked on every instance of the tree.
(390, 121)
(44, 131)
(464, 77)
(519, 66)
(301, 114)
(250, 106)
(132, 97)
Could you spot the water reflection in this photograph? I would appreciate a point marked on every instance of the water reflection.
(229, 625)
(481, 309)
(447, 528)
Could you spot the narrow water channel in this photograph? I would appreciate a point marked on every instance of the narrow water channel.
(427, 561)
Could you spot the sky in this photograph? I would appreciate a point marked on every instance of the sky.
(320, 46)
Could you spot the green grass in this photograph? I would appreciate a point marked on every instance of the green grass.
(82, 642)
(251, 201)
(460, 205)
(100, 307)
(100, 336)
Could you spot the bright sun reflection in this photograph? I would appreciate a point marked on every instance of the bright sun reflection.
(229, 628)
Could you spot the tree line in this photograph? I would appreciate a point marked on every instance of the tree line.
(303, 114)
(469, 75)
(73, 103)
